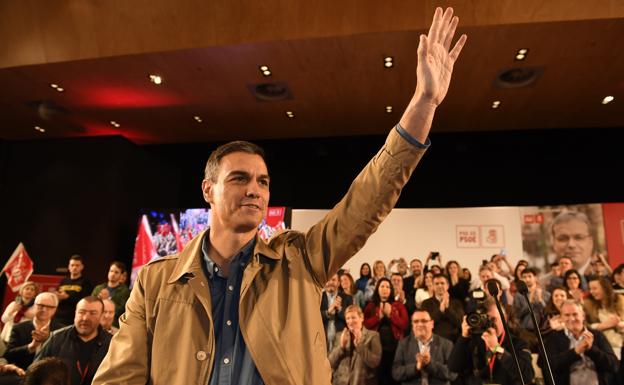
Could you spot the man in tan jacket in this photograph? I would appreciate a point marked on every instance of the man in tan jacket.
(232, 309)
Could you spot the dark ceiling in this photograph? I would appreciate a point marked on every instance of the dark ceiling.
(329, 55)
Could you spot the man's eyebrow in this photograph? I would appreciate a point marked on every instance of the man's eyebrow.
(246, 174)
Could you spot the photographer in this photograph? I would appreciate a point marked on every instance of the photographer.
(482, 355)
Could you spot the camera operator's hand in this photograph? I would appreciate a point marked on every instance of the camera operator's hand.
(490, 339)
(465, 328)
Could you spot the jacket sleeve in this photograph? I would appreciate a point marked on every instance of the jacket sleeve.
(438, 366)
(602, 354)
(127, 359)
(370, 351)
(337, 353)
(404, 366)
(460, 359)
(370, 198)
(371, 317)
(9, 312)
(17, 352)
(524, 360)
(399, 317)
(48, 349)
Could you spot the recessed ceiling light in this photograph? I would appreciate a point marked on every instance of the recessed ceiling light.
(388, 109)
(114, 123)
(54, 85)
(607, 99)
(197, 119)
(156, 79)
(264, 70)
(290, 114)
(39, 129)
(59, 89)
(388, 62)
(496, 104)
(522, 54)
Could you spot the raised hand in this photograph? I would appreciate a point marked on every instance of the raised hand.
(436, 60)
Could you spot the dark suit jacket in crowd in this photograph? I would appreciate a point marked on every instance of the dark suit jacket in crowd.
(338, 317)
(469, 353)
(17, 350)
(356, 365)
(561, 357)
(447, 324)
(438, 373)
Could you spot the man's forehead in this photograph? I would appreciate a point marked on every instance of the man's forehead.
(570, 226)
(242, 161)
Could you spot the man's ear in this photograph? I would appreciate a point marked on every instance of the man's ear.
(207, 190)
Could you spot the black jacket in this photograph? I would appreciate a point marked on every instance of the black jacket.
(447, 324)
(469, 354)
(338, 317)
(17, 350)
(561, 357)
(64, 344)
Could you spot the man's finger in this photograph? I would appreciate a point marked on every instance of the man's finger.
(450, 33)
(434, 30)
(445, 26)
(458, 47)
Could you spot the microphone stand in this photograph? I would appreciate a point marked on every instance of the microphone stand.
(524, 290)
(492, 287)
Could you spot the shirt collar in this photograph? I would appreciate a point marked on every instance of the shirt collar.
(242, 257)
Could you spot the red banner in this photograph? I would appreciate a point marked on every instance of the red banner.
(18, 268)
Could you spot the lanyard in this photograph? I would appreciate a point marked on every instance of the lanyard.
(83, 375)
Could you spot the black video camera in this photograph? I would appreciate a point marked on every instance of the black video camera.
(478, 319)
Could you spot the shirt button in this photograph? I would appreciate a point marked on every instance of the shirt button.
(201, 355)
(229, 323)
(231, 287)
(226, 360)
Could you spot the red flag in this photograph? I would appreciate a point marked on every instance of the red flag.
(18, 268)
(176, 233)
(143, 247)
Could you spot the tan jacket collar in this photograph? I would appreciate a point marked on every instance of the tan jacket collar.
(190, 259)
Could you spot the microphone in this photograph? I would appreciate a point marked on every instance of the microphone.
(492, 286)
(524, 290)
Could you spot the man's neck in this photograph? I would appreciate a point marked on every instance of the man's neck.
(72, 276)
(225, 244)
(113, 284)
(424, 339)
(89, 337)
(39, 324)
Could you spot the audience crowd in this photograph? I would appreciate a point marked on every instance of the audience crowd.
(430, 323)
(61, 336)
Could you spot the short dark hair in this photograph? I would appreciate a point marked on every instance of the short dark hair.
(530, 270)
(47, 371)
(618, 269)
(211, 171)
(120, 265)
(92, 299)
(440, 276)
(75, 257)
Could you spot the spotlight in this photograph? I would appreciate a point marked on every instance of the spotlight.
(290, 114)
(522, 54)
(388, 62)
(156, 79)
(197, 119)
(115, 124)
(496, 104)
(389, 109)
(607, 99)
(264, 70)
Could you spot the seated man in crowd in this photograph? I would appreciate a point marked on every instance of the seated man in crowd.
(83, 345)
(401, 295)
(356, 353)
(28, 336)
(108, 316)
(483, 356)
(422, 357)
(579, 355)
(333, 304)
(115, 289)
(537, 296)
(446, 312)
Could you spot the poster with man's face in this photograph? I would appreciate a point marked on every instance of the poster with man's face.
(550, 232)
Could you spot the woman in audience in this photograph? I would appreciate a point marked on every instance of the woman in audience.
(347, 286)
(365, 275)
(572, 282)
(21, 309)
(389, 318)
(617, 279)
(552, 319)
(379, 271)
(458, 286)
(425, 291)
(605, 312)
(466, 274)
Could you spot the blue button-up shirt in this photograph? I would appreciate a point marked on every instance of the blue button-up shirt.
(233, 363)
